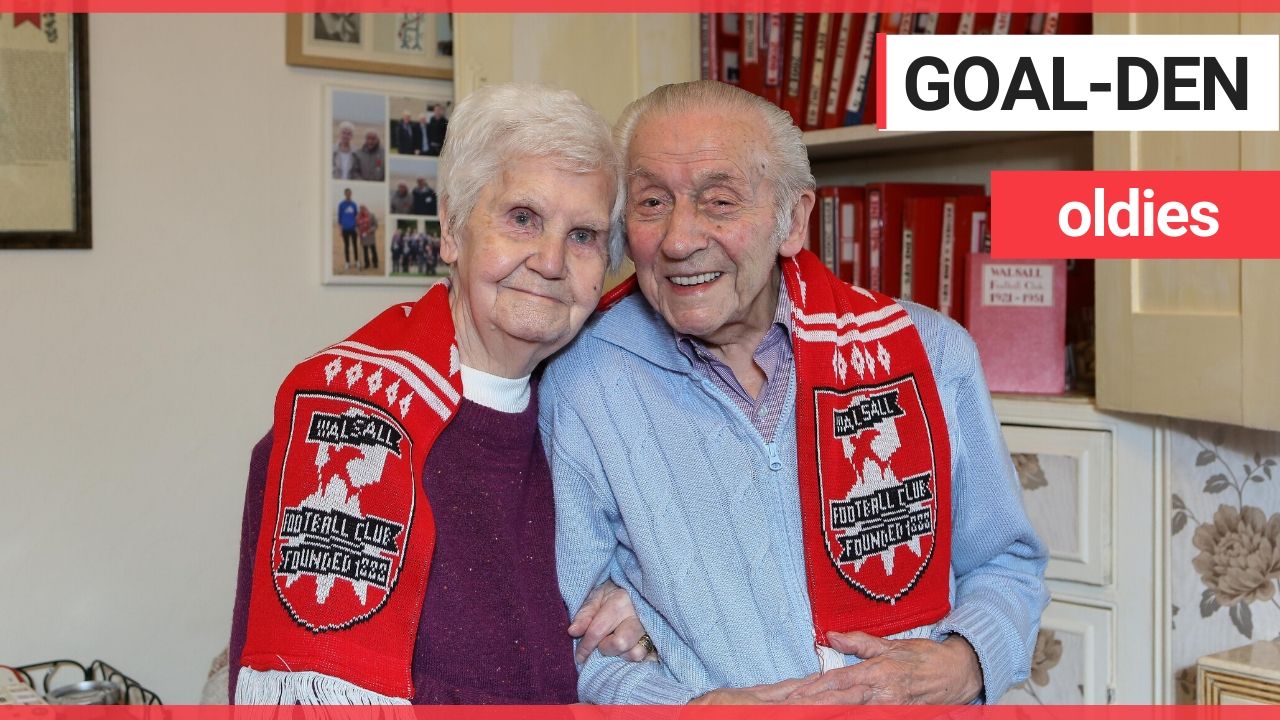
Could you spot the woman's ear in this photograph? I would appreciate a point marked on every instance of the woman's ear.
(448, 243)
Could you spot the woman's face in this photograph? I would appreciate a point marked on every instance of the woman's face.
(529, 264)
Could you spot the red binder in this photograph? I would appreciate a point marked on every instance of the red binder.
(964, 220)
(884, 227)
(921, 249)
(795, 85)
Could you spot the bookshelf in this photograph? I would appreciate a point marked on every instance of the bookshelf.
(865, 140)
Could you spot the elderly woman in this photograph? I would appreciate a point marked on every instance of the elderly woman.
(398, 539)
(367, 227)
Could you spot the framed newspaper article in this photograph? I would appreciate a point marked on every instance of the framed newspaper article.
(412, 44)
(44, 131)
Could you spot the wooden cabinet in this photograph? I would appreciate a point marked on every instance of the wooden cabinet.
(608, 59)
(1248, 675)
(1189, 338)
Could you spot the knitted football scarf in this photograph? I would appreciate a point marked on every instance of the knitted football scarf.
(347, 534)
(873, 457)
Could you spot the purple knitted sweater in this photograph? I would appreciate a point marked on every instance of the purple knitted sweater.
(494, 627)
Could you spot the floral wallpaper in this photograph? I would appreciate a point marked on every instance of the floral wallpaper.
(1225, 542)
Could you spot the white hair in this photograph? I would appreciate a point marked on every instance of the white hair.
(785, 160)
(346, 125)
(498, 124)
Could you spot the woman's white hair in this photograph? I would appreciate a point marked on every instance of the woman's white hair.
(785, 160)
(498, 124)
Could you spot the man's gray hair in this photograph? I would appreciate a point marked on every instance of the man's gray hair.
(498, 124)
(786, 159)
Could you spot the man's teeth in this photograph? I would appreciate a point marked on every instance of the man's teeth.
(687, 280)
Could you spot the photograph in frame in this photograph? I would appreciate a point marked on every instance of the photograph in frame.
(410, 44)
(44, 137)
(381, 223)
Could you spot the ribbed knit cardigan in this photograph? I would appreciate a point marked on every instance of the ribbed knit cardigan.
(662, 483)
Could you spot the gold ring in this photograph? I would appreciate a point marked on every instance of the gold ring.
(647, 643)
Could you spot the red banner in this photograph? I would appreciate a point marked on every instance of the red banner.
(1117, 214)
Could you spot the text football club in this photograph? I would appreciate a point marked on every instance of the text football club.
(879, 515)
(339, 543)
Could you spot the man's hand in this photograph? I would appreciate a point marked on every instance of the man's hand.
(607, 621)
(755, 695)
(897, 672)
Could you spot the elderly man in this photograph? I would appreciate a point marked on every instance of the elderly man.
(371, 158)
(789, 474)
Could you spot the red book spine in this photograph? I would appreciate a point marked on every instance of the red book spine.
(921, 243)
(963, 217)
(820, 72)
(860, 106)
(751, 74)
(875, 238)
(848, 36)
(799, 59)
(828, 202)
(1010, 23)
(975, 23)
(773, 58)
(946, 23)
(730, 40)
(850, 225)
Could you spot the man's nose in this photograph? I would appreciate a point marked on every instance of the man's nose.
(547, 258)
(686, 232)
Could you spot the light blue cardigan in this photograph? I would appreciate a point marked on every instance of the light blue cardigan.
(663, 484)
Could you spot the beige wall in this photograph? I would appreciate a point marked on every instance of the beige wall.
(135, 377)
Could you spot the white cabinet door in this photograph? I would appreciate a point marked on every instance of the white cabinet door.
(1066, 488)
(1073, 659)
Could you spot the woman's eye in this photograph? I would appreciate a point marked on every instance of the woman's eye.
(582, 237)
(522, 218)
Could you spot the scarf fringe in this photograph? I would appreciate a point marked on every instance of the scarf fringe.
(273, 687)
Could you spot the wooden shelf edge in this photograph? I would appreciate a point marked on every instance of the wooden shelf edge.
(863, 140)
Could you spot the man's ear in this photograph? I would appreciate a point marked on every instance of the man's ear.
(796, 239)
(448, 243)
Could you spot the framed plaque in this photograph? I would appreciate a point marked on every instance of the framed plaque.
(44, 131)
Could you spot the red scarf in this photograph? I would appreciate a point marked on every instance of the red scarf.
(347, 535)
(873, 457)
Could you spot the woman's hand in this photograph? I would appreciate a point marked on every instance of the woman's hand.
(607, 622)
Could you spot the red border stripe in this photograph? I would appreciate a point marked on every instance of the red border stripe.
(642, 6)
(881, 53)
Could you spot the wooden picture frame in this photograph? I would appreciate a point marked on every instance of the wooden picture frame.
(46, 186)
(409, 44)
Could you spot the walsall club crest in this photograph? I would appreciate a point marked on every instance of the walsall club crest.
(346, 503)
(878, 508)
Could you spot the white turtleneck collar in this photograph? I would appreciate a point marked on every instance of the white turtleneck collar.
(509, 395)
